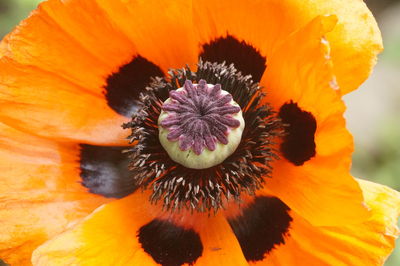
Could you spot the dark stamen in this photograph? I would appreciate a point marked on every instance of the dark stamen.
(243, 171)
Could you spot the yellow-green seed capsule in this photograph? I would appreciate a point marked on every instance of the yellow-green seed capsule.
(200, 125)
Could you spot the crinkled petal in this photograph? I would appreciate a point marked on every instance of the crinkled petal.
(68, 74)
(162, 31)
(44, 104)
(355, 40)
(113, 235)
(317, 185)
(40, 193)
(366, 243)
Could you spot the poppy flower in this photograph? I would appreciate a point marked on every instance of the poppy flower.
(74, 190)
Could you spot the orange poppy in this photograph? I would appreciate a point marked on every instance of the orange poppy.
(74, 71)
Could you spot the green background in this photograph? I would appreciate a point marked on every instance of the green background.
(373, 113)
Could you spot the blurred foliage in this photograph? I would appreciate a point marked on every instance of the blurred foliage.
(392, 51)
(377, 6)
(380, 164)
(13, 11)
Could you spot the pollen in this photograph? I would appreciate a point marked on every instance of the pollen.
(200, 125)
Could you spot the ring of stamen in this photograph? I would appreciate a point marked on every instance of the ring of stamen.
(244, 171)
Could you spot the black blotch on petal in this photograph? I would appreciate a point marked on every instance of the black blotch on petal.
(261, 227)
(124, 86)
(104, 171)
(244, 56)
(168, 244)
(298, 145)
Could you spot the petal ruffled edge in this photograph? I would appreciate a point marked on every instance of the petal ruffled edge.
(355, 40)
(322, 183)
(112, 236)
(367, 243)
(40, 193)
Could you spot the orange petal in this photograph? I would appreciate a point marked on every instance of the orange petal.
(36, 101)
(83, 51)
(162, 31)
(53, 70)
(301, 71)
(317, 192)
(366, 243)
(220, 245)
(108, 236)
(260, 24)
(355, 41)
(54, 67)
(40, 193)
(111, 236)
(109, 33)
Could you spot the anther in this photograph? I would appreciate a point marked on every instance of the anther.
(200, 125)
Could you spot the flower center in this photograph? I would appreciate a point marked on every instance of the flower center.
(192, 148)
(200, 125)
